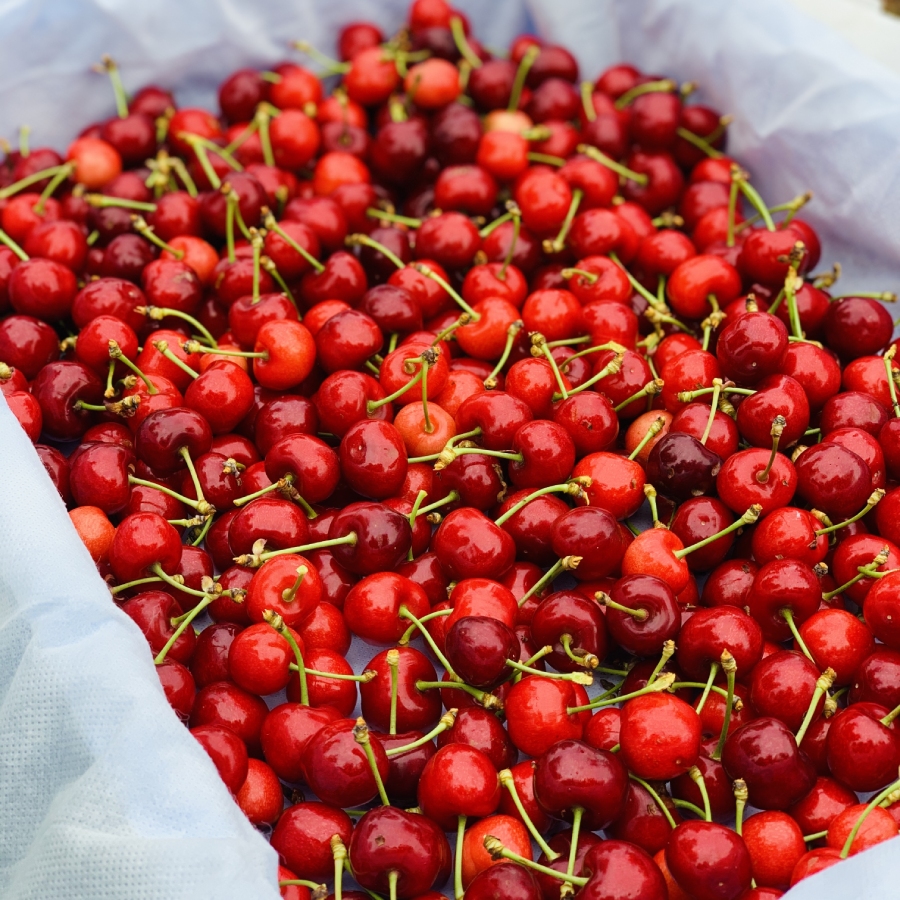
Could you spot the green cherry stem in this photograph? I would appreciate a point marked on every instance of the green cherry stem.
(741, 794)
(845, 852)
(663, 683)
(655, 428)
(527, 61)
(698, 779)
(508, 781)
(404, 613)
(273, 619)
(443, 725)
(823, 685)
(561, 565)
(511, 333)
(577, 814)
(729, 667)
(748, 518)
(361, 736)
(656, 798)
(607, 161)
(497, 851)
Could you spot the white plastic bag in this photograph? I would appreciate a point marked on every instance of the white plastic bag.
(103, 794)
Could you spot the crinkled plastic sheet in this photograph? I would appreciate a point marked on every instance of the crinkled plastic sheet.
(103, 794)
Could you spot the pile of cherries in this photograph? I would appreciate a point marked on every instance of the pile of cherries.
(399, 363)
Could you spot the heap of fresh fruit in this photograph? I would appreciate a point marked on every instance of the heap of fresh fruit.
(400, 362)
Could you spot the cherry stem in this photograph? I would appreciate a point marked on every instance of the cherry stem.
(479, 695)
(186, 620)
(194, 504)
(655, 428)
(756, 201)
(162, 347)
(889, 371)
(823, 685)
(650, 494)
(428, 272)
(498, 454)
(6, 240)
(729, 667)
(697, 777)
(462, 44)
(788, 616)
(561, 565)
(713, 670)
(603, 598)
(577, 813)
(525, 64)
(115, 353)
(197, 347)
(650, 389)
(130, 584)
(339, 853)
(546, 159)
(272, 269)
(597, 348)
(889, 718)
(275, 620)
(814, 837)
(496, 223)
(24, 136)
(508, 781)
(871, 503)
(272, 225)
(491, 381)
(732, 211)
(139, 223)
(497, 851)
(185, 454)
(557, 244)
(254, 560)
(583, 678)
(572, 488)
(231, 208)
(546, 650)
(404, 613)
(686, 804)
(158, 313)
(383, 215)
(427, 427)
(299, 882)
(408, 634)
(256, 244)
(288, 595)
(578, 655)
(372, 405)
(29, 180)
(332, 65)
(663, 683)
(361, 736)
(599, 156)
(748, 518)
(740, 802)
(587, 101)
(668, 651)
(281, 485)
(55, 182)
(656, 798)
(108, 65)
(539, 349)
(713, 409)
(393, 660)
(458, 889)
(665, 85)
(511, 252)
(443, 725)
(845, 852)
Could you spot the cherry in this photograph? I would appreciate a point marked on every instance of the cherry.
(875, 680)
(619, 868)
(373, 459)
(224, 703)
(478, 647)
(381, 538)
(833, 479)
(504, 879)
(574, 627)
(458, 781)
(669, 726)
(469, 545)
(398, 851)
(227, 751)
(784, 592)
(765, 755)
(857, 326)
(537, 712)
(782, 686)
(286, 731)
(862, 749)
(680, 466)
(837, 639)
(642, 614)
(709, 861)
(477, 727)
(302, 838)
(707, 633)
(775, 843)
(818, 809)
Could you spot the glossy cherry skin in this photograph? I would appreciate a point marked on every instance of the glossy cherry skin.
(619, 869)
(863, 754)
(617, 483)
(537, 713)
(643, 636)
(478, 647)
(58, 387)
(817, 810)
(877, 680)
(583, 532)
(833, 479)
(477, 727)
(783, 584)
(764, 753)
(782, 686)
(372, 607)
(709, 861)
(303, 834)
(224, 703)
(789, 533)
(336, 766)
(679, 466)
(383, 538)
(739, 484)
(141, 540)
(837, 638)
(573, 774)
(708, 632)
(506, 880)
(469, 545)
(388, 840)
(416, 710)
(458, 781)
(569, 613)
(286, 731)
(227, 751)
(660, 736)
